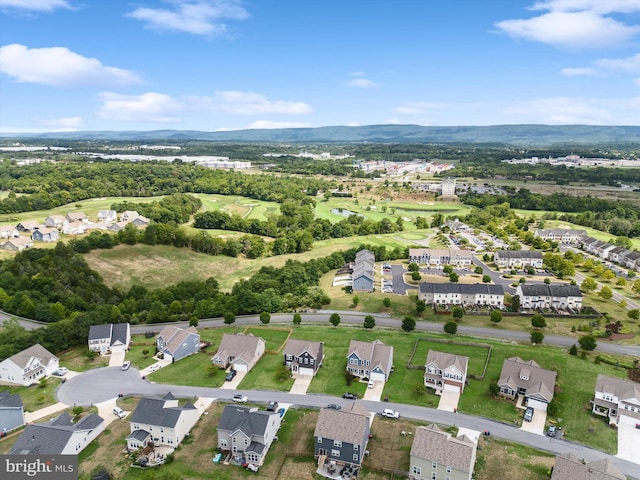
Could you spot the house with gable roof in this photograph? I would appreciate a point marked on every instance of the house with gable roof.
(161, 421)
(7, 231)
(554, 295)
(239, 351)
(128, 215)
(107, 216)
(109, 338)
(247, 432)
(17, 244)
(44, 234)
(518, 258)
(436, 454)
(11, 411)
(176, 343)
(141, 221)
(372, 360)
(569, 467)
(616, 399)
(55, 221)
(28, 226)
(28, 366)
(303, 357)
(341, 436)
(528, 379)
(60, 436)
(446, 371)
(363, 271)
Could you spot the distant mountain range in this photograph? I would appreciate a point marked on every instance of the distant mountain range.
(541, 135)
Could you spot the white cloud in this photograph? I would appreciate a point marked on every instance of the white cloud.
(418, 108)
(361, 83)
(200, 17)
(562, 110)
(583, 29)
(250, 103)
(67, 124)
(598, 6)
(149, 107)
(268, 124)
(60, 67)
(629, 64)
(34, 5)
(578, 71)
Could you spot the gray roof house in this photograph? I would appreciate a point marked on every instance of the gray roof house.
(371, 360)
(7, 231)
(537, 384)
(247, 432)
(176, 343)
(109, 337)
(461, 294)
(77, 216)
(615, 398)
(518, 258)
(363, 271)
(161, 421)
(107, 216)
(436, 454)
(11, 411)
(45, 234)
(240, 351)
(303, 357)
(554, 295)
(60, 436)
(55, 221)
(341, 436)
(28, 366)
(445, 371)
(569, 467)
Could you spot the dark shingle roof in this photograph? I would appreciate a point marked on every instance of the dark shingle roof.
(10, 400)
(551, 290)
(96, 332)
(138, 435)
(249, 420)
(462, 288)
(519, 254)
(152, 411)
(119, 333)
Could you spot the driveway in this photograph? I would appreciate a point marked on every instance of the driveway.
(449, 401)
(301, 384)
(628, 440)
(105, 410)
(233, 384)
(116, 359)
(163, 362)
(30, 417)
(537, 423)
(374, 394)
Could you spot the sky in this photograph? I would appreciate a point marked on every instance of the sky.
(214, 65)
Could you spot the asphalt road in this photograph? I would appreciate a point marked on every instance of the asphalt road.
(99, 385)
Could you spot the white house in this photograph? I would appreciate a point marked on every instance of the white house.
(109, 338)
(107, 216)
(518, 258)
(28, 366)
(616, 399)
(446, 371)
(554, 295)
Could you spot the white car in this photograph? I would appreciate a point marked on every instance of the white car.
(61, 372)
(240, 398)
(387, 412)
(371, 384)
(118, 412)
(154, 367)
(126, 365)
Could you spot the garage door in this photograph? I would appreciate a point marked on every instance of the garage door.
(378, 377)
(451, 388)
(305, 371)
(627, 420)
(241, 367)
(537, 404)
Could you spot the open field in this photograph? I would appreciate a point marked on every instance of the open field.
(498, 459)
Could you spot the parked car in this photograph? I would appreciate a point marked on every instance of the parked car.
(126, 365)
(387, 412)
(252, 467)
(334, 406)
(118, 412)
(272, 406)
(155, 367)
(240, 398)
(528, 414)
(371, 384)
(230, 376)
(552, 431)
(350, 396)
(62, 371)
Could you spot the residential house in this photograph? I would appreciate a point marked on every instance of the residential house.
(603, 250)
(60, 436)
(436, 454)
(140, 221)
(446, 371)
(587, 244)
(528, 379)
(128, 216)
(518, 258)
(77, 217)
(553, 295)
(107, 216)
(440, 256)
(28, 226)
(240, 351)
(631, 260)
(616, 399)
(303, 357)
(17, 244)
(363, 271)
(117, 226)
(75, 228)
(561, 235)
(161, 421)
(615, 254)
(341, 436)
(592, 247)
(11, 411)
(247, 432)
(44, 234)
(109, 338)
(461, 294)
(7, 231)
(372, 360)
(176, 343)
(28, 366)
(569, 467)
(55, 221)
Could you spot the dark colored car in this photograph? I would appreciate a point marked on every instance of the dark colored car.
(230, 376)
(272, 407)
(334, 406)
(350, 396)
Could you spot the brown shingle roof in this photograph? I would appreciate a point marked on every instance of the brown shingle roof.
(568, 467)
(431, 443)
(175, 336)
(538, 380)
(238, 345)
(443, 360)
(347, 425)
(623, 389)
(22, 358)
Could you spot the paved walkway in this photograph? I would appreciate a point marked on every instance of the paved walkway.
(30, 417)
(301, 384)
(150, 369)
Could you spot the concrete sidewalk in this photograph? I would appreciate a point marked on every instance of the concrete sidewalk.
(30, 417)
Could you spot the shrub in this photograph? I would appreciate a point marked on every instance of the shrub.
(229, 318)
(451, 327)
(588, 342)
(538, 321)
(369, 321)
(386, 302)
(297, 318)
(334, 319)
(408, 324)
(457, 312)
(265, 317)
(537, 337)
(573, 350)
(496, 316)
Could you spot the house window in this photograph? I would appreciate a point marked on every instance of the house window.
(246, 441)
(355, 448)
(223, 442)
(234, 439)
(417, 470)
(434, 476)
(448, 468)
(335, 453)
(319, 439)
(337, 443)
(434, 465)
(355, 457)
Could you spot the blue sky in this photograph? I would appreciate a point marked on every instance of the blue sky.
(231, 64)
